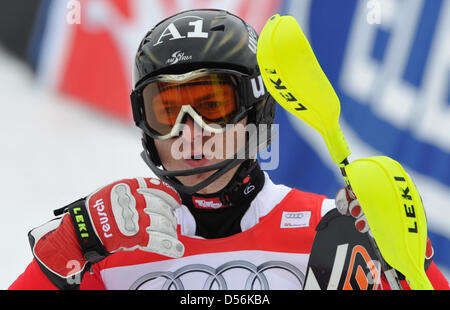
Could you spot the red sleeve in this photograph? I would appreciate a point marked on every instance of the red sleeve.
(32, 279)
(92, 279)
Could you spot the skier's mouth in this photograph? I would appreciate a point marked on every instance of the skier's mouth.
(198, 157)
(197, 160)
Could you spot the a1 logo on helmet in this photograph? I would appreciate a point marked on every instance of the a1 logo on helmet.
(171, 31)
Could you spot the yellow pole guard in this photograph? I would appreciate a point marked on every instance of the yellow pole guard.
(293, 76)
(395, 214)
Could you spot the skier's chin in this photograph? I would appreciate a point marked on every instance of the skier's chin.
(215, 186)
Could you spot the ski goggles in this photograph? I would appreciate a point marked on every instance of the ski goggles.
(212, 98)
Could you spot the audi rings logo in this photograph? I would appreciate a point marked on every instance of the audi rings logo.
(215, 277)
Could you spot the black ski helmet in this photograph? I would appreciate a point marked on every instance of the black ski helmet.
(189, 41)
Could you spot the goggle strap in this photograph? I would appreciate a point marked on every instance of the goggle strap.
(137, 107)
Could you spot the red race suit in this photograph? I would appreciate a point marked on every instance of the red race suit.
(271, 252)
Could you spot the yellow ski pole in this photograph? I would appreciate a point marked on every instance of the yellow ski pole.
(387, 195)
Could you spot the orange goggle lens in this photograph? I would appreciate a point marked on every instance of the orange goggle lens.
(212, 96)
